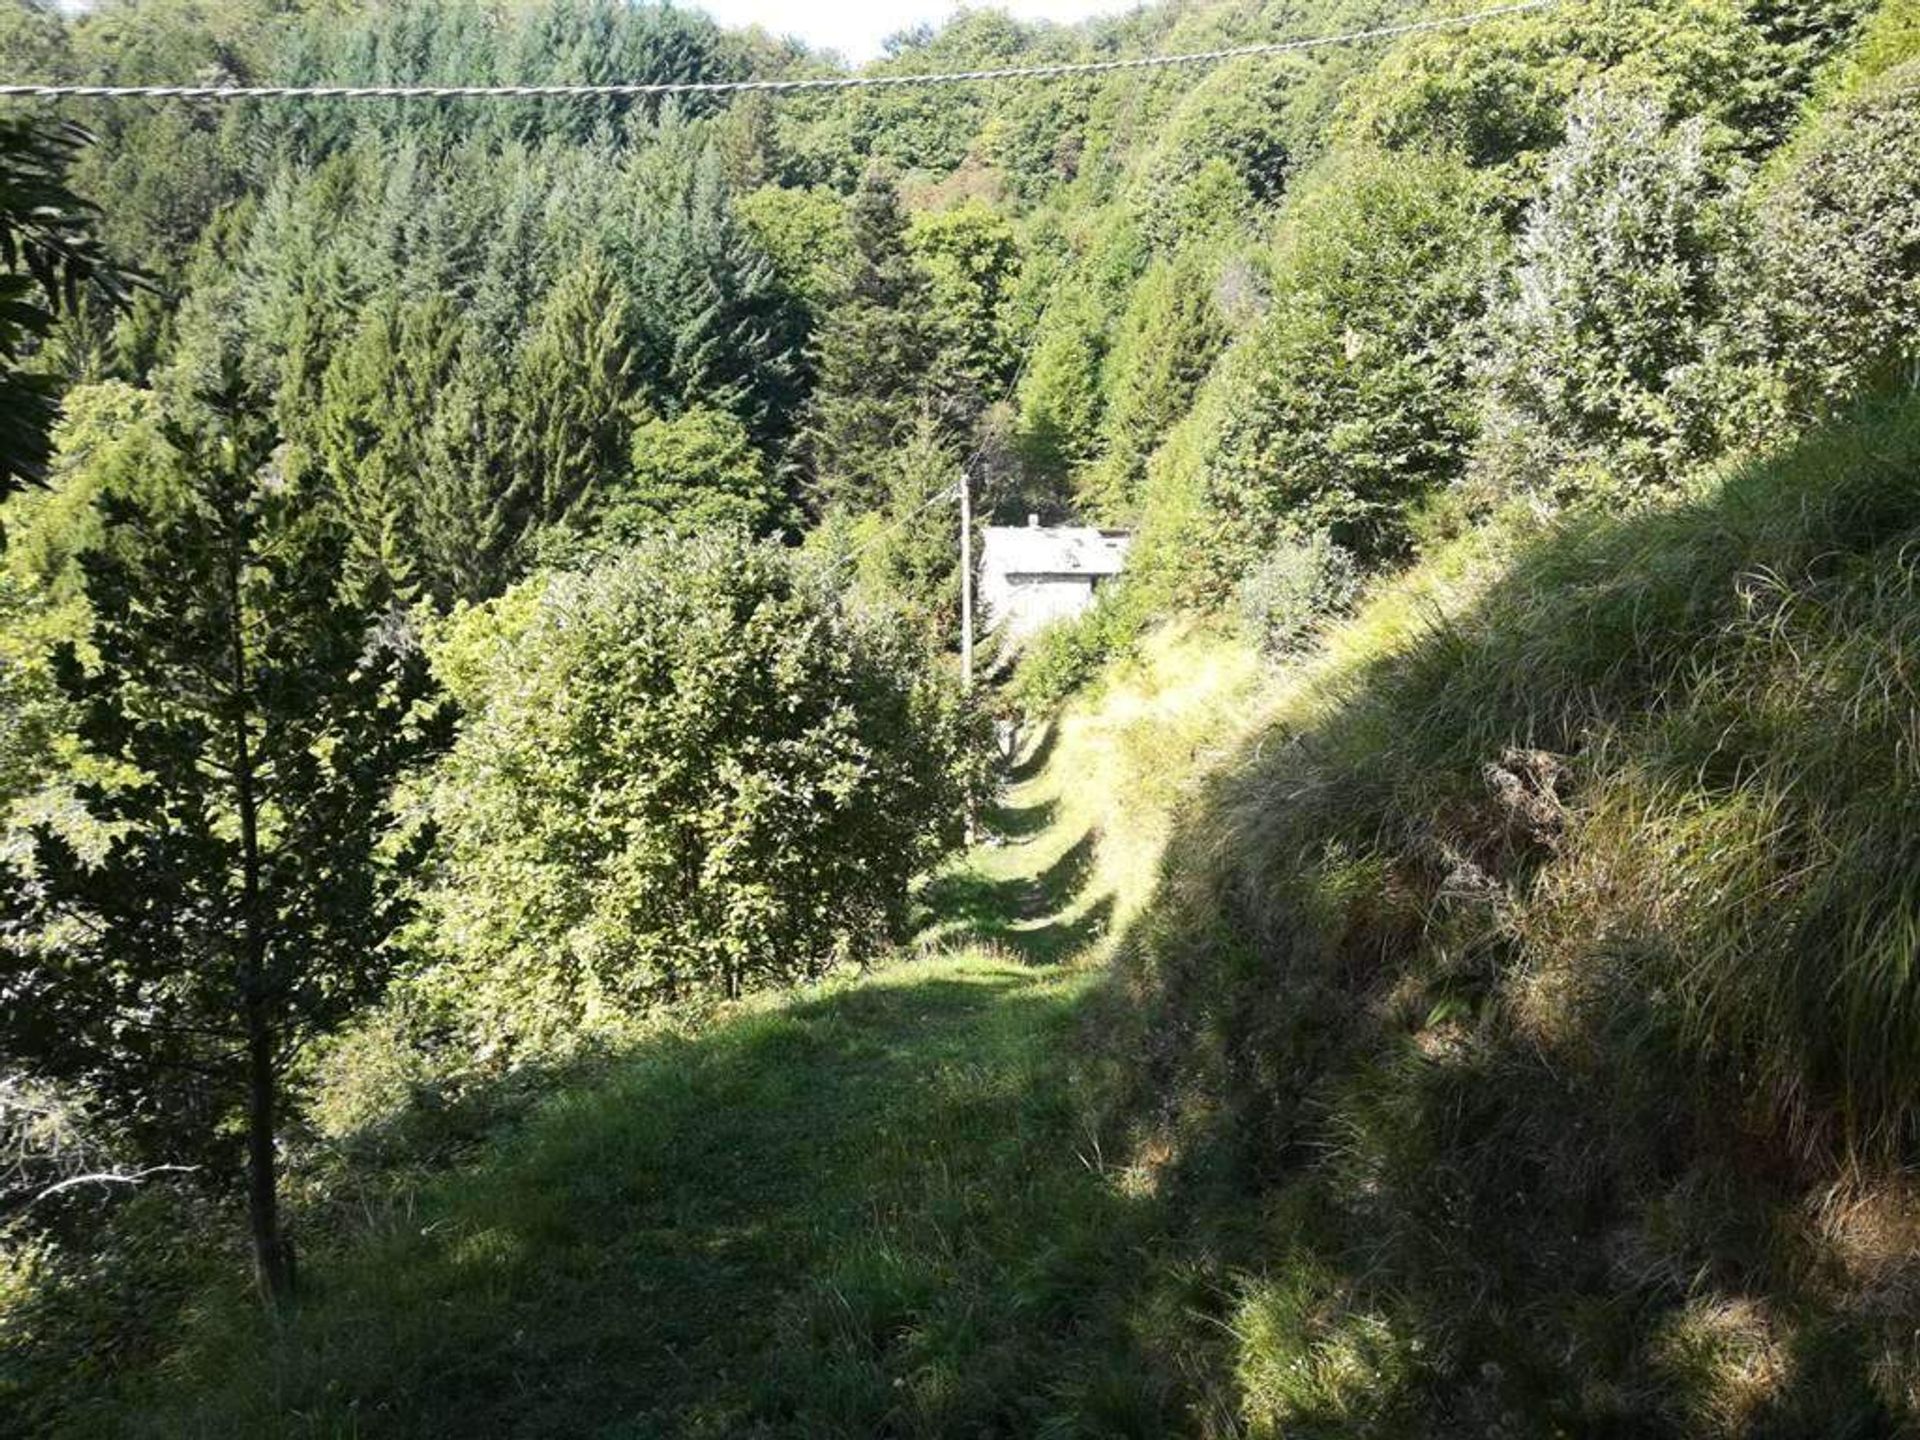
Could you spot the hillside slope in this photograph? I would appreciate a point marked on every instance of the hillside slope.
(1531, 1010)
(1508, 1031)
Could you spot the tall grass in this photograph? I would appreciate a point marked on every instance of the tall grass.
(1557, 945)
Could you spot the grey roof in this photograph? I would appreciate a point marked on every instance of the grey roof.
(1053, 550)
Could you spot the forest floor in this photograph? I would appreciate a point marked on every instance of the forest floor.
(879, 1207)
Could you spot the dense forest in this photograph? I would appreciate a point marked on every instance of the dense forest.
(481, 593)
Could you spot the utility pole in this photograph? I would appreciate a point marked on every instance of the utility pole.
(966, 581)
(966, 614)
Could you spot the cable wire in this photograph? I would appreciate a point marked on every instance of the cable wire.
(742, 87)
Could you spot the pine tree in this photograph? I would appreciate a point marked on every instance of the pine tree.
(373, 433)
(875, 353)
(717, 324)
(465, 499)
(572, 401)
(245, 897)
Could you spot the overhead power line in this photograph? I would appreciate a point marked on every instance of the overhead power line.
(743, 87)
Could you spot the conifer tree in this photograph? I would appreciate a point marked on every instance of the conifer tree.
(717, 325)
(572, 401)
(244, 899)
(875, 352)
(373, 435)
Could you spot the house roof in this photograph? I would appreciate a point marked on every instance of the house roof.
(1053, 550)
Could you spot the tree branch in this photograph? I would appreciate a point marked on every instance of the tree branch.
(107, 1177)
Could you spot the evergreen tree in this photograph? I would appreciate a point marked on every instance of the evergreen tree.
(464, 520)
(243, 902)
(875, 353)
(373, 437)
(47, 254)
(572, 400)
(717, 324)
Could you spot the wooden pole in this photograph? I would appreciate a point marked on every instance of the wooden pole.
(966, 581)
(966, 615)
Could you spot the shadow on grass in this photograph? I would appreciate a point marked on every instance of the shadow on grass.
(1021, 822)
(1033, 916)
(1037, 755)
(1459, 1195)
(866, 1214)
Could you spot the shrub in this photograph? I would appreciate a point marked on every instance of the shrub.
(1285, 598)
(688, 772)
(1839, 247)
(1069, 653)
(1605, 311)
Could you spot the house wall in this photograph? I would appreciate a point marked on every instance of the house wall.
(1022, 604)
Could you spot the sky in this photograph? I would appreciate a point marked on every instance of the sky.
(856, 27)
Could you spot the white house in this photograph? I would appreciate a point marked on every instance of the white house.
(1034, 574)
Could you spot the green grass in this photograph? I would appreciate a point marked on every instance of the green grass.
(869, 1211)
(886, 1206)
(1534, 1005)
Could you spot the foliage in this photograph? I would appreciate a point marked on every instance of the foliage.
(804, 234)
(1070, 653)
(1061, 398)
(1567, 893)
(1288, 595)
(1604, 315)
(972, 263)
(719, 325)
(242, 900)
(1167, 340)
(693, 773)
(1838, 248)
(573, 402)
(697, 472)
(1500, 96)
(373, 435)
(1225, 155)
(1520, 1022)
(48, 253)
(875, 351)
(904, 554)
(1351, 400)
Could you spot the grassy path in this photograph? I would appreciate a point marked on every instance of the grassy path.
(872, 1211)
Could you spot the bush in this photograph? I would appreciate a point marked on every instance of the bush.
(1605, 313)
(1069, 653)
(1839, 247)
(1285, 598)
(687, 773)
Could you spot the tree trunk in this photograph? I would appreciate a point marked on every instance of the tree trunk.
(272, 1261)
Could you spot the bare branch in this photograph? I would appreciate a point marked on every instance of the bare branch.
(109, 1177)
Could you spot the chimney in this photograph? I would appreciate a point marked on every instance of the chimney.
(1033, 521)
